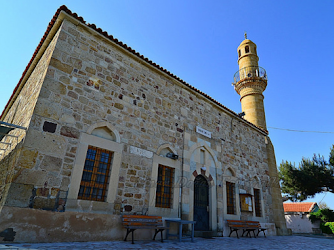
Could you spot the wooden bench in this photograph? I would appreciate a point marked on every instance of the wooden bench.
(257, 226)
(133, 222)
(246, 227)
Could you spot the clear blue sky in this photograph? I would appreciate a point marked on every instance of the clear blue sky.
(197, 41)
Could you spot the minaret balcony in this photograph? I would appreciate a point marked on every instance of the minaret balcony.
(250, 72)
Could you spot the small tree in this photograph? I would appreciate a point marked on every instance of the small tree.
(323, 205)
(309, 178)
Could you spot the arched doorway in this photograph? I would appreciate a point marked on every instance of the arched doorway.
(201, 204)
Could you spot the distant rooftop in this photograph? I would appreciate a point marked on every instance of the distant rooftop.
(299, 206)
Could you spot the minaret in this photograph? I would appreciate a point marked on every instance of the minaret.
(250, 81)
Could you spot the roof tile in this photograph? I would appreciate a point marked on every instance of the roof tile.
(298, 206)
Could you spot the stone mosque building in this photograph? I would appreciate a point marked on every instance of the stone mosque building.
(94, 130)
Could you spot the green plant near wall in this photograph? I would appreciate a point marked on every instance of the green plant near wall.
(330, 225)
(325, 216)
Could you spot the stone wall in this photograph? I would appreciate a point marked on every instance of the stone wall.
(92, 81)
(34, 225)
(17, 159)
(300, 223)
(6, 173)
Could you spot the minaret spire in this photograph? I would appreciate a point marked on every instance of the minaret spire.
(250, 82)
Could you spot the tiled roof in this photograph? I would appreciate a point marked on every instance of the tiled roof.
(115, 40)
(299, 206)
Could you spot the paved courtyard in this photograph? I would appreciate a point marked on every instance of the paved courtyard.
(273, 242)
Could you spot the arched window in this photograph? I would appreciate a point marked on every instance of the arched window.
(239, 52)
(247, 49)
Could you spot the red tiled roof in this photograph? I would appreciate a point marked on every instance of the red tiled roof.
(298, 206)
(115, 40)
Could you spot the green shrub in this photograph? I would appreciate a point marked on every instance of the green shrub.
(325, 228)
(330, 225)
(325, 216)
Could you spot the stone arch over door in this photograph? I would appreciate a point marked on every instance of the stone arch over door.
(209, 172)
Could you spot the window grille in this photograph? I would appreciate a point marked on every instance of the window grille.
(257, 199)
(230, 196)
(95, 175)
(164, 187)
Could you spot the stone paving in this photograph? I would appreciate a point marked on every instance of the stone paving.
(272, 242)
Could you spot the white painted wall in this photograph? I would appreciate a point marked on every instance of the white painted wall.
(300, 223)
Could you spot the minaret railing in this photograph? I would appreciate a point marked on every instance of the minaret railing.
(250, 71)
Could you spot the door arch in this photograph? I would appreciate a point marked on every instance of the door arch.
(201, 203)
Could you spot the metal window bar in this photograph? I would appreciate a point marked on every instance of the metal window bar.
(257, 201)
(164, 187)
(230, 197)
(95, 176)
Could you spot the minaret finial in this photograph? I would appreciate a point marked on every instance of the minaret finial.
(245, 35)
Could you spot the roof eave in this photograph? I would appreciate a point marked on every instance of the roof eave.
(62, 13)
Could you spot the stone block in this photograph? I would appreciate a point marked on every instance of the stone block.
(47, 108)
(61, 66)
(73, 95)
(54, 86)
(19, 195)
(34, 177)
(54, 192)
(70, 132)
(68, 119)
(51, 163)
(138, 196)
(102, 207)
(44, 203)
(65, 183)
(119, 106)
(42, 192)
(27, 158)
(90, 70)
(134, 179)
(65, 79)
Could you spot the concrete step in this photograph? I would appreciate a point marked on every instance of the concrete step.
(205, 234)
